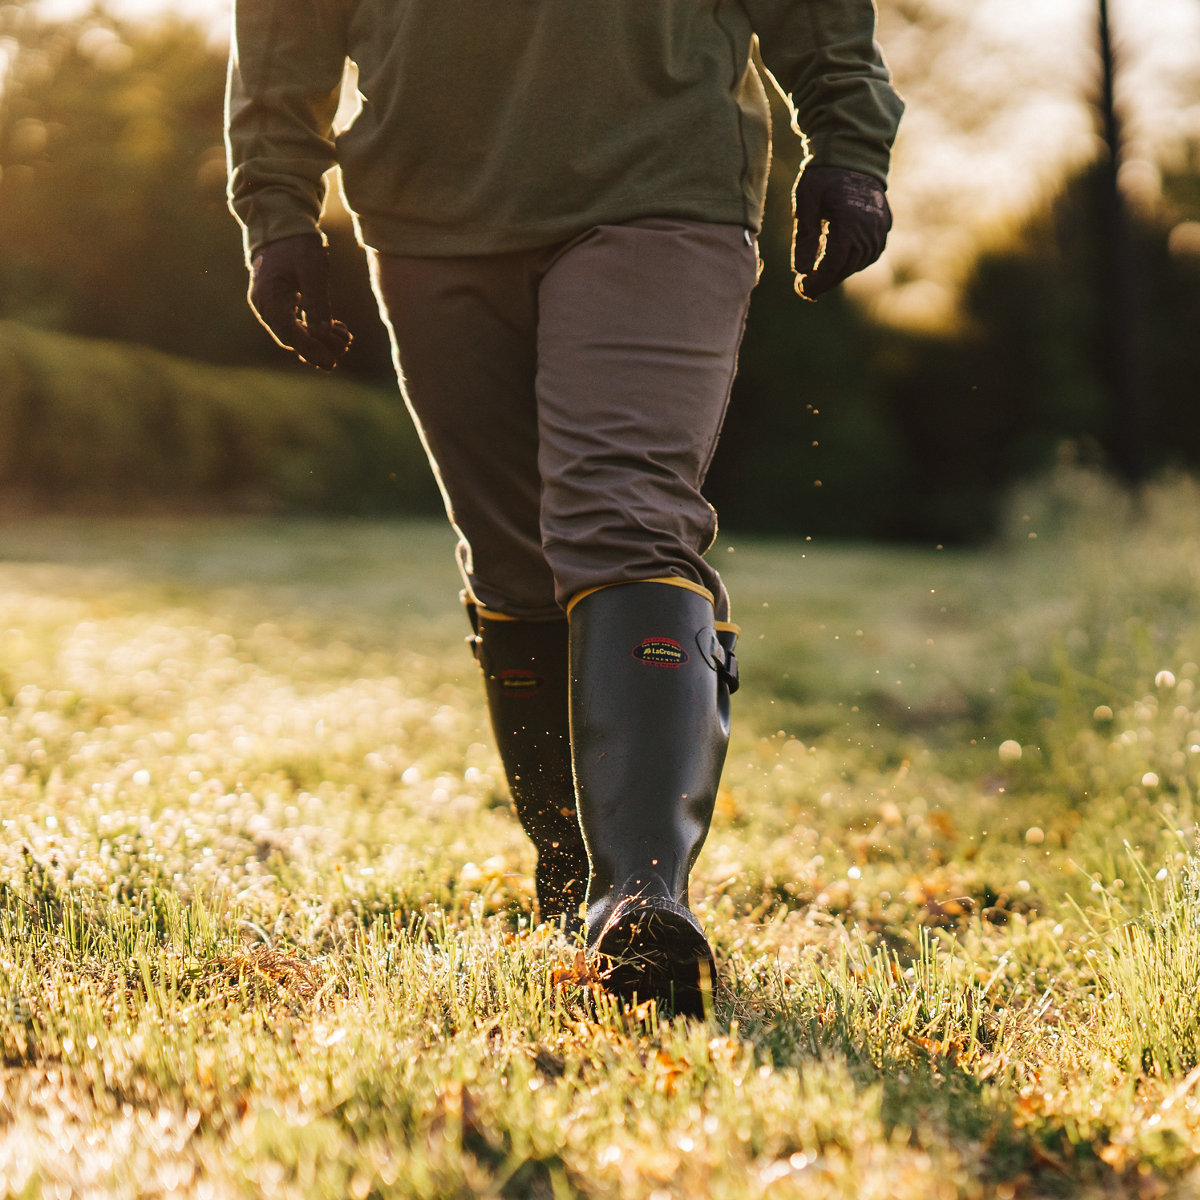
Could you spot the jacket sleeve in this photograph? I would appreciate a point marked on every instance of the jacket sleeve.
(286, 64)
(824, 56)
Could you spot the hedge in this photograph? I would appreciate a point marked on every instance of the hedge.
(88, 425)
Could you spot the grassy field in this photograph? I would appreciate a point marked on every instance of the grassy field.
(265, 920)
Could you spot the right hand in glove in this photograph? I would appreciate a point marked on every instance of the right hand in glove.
(289, 293)
(842, 223)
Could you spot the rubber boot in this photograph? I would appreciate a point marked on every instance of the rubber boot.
(524, 667)
(650, 684)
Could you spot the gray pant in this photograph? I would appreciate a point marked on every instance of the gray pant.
(570, 399)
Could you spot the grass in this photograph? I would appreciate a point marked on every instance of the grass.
(265, 920)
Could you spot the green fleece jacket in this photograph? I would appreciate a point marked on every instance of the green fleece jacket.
(494, 125)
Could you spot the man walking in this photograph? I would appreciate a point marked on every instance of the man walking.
(559, 200)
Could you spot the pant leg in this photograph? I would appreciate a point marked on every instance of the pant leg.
(638, 332)
(464, 340)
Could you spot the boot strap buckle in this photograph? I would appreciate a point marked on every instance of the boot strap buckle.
(720, 657)
(728, 671)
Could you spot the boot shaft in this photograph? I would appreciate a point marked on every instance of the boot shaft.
(650, 685)
(525, 671)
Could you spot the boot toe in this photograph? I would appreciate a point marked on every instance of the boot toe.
(654, 949)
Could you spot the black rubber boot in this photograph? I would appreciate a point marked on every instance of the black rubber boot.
(650, 686)
(525, 679)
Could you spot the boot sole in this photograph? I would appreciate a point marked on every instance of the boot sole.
(653, 949)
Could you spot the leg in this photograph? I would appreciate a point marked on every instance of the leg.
(464, 339)
(638, 332)
(463, 335)
(524, 666)
(650, 684)
(638, 339)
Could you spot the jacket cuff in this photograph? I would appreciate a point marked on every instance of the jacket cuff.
(850, 152)
(273, 227)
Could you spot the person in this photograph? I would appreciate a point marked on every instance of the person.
(560, 201)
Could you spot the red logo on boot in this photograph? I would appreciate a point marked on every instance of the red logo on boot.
(518, 682)
(661, 652)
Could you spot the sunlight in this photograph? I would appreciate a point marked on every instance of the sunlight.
(213, 14)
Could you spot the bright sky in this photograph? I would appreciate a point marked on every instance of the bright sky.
(994, 113)
(215, 12)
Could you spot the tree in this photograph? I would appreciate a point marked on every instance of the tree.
(1029, 370)
(1118, 283)
(112, 175)
(113, 220)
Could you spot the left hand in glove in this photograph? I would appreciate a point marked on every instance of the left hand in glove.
(849, 212)
(289, 293)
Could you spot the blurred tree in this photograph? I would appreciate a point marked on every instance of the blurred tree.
(112, 177)
(1029, 370)
(112, 192)
(1121, 310)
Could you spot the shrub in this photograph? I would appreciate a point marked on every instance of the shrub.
(94, 425)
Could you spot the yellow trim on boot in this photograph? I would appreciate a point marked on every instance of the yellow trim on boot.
(727, 627)
(671, 580)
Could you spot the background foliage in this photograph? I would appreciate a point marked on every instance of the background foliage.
(113, 225)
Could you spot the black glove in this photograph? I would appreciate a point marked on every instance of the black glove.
(289, 292)
(857, 211)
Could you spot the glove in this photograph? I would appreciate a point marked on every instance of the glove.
(289, 293)
(842, 223)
